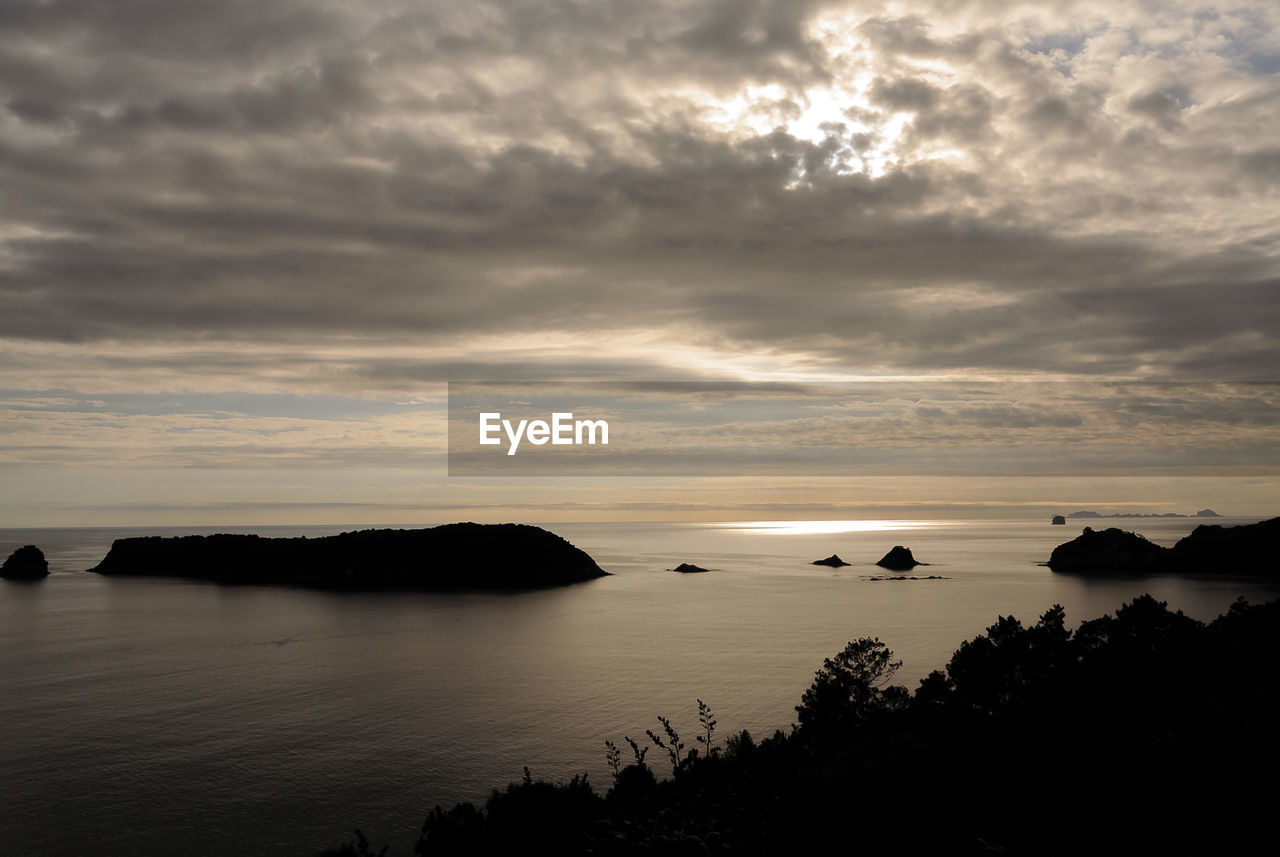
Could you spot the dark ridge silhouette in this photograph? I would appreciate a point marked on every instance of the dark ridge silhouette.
(1210, 548)
(26, 563)
(900, 577)
(452, 556)
(1058, 519)
(899, 559)
(1252, 548)
(1142, 732)
(689, 568)
(834, 561)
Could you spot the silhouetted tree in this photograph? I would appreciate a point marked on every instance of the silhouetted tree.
(1034, 740)
(848, 687)
(995, 670)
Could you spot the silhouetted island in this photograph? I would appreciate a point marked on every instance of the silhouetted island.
(1058, 519)
(1111, 549)
(1210, 548)
(689, 568)
(452, 556)
(1085, 513)
(899, 559)
(26, 563)
(834, 561)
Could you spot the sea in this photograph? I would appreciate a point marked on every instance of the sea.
(150, 716)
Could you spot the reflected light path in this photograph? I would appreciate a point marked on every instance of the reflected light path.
(793, 528)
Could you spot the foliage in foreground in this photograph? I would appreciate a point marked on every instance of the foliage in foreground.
(1142, 732)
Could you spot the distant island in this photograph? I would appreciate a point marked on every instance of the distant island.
(448, 557)
(1203, 513)
(1210, 548)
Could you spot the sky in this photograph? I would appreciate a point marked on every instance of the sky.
(245, 246)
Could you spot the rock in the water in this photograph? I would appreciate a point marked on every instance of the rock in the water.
(1058, 519)
(26, 563)
(834, 561)
(689, 568)
(899, 559)
(452, 556)
(1206, 513)
(1111, 549)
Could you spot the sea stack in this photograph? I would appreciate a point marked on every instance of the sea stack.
(1058, 520)
(26, 563)
(834, 561)
(899, 559)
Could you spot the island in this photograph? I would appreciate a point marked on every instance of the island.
(1209, 549)
(1086, 513)
(834, 561)
(449, 557)
(26, 563)
(1058, 520)
(899, 559)
(690, 568)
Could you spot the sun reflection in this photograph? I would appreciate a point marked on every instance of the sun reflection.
(795, 528)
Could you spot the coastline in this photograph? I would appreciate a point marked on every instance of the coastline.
(441, 696)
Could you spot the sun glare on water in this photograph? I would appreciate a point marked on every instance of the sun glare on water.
(797, 528)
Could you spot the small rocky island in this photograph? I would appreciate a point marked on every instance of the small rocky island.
(899, 559)
(834, 561)
(26, 563)
(1210, 549)
(448, 557)
(690, 568)
(1058, 520)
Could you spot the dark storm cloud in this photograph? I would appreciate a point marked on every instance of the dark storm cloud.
(302, 174)
(196, 30)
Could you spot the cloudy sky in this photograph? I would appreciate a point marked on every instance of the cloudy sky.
(244, 245)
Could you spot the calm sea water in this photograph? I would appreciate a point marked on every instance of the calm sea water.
(158, 716)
